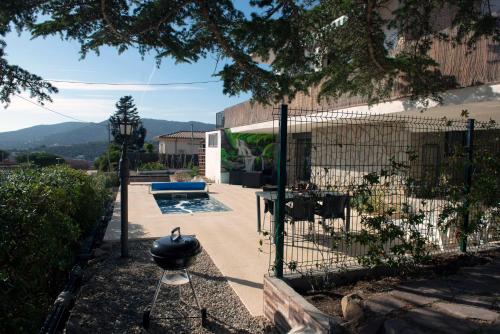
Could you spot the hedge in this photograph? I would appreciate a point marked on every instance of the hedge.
(44, 212)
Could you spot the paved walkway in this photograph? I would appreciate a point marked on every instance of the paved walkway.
(466, 302)
(230, 238)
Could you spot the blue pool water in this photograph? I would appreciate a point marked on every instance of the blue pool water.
(188, 203)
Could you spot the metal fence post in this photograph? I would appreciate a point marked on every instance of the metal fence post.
(280, 208)
(467, 183)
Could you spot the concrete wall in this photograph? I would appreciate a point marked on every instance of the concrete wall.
(179, 146)
(213, 157)
(343, 153)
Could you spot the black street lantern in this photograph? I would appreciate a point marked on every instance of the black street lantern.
(126, 128)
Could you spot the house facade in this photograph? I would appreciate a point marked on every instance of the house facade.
(181, 142)
(476, 73)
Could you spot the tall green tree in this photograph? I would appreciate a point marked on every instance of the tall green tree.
(363, 48)
(125, 108)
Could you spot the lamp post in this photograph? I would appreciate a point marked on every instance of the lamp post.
(126, 128)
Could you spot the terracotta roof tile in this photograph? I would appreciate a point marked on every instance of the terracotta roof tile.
(183, 135)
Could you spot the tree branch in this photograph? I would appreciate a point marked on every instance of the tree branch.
(222, 41)
(110, 24)
(369, 15)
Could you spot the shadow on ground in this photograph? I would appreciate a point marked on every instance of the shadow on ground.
(116, 292)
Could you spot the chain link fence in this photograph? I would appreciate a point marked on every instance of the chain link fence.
(365, 189)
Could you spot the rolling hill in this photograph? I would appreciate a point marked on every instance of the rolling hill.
(71, 139)
(73, 133)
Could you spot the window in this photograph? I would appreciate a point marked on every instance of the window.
(212, 140)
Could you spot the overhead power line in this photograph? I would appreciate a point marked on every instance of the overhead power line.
(48, 109)
(57, 112)
(134, 84)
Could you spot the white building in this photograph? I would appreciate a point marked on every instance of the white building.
(181, 142)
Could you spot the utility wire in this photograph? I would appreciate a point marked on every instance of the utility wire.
(133, 84)
(57, 112)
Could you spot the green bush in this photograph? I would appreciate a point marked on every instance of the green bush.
(43, 214)
(40, 159)
(152, 166)
(110, 180)
(113, 154)
(195, 171)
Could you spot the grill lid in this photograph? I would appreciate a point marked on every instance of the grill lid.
(176, 246)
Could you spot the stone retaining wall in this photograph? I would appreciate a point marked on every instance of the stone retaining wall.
(287, 309)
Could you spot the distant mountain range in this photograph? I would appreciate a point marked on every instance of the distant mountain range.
(70, 136)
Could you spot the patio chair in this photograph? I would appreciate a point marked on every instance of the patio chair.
(302, 209)
(269, 207)
(333, 207)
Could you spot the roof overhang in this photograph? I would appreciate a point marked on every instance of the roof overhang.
(481, 102)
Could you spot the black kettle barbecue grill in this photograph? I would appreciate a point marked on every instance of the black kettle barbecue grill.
(175, 254)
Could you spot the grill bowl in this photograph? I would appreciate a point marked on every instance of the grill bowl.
(176, 251)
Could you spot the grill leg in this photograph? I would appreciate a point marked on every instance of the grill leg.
(157, 292)
(192, 289)
(147, 314)
(203, 311)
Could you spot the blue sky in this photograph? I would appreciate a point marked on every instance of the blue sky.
(53, 58)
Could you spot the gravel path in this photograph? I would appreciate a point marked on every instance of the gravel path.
(116, 291)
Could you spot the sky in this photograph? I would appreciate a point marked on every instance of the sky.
(52, 58)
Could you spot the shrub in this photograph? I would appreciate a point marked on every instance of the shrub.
(148, 147)
(152, 166)
(110, 180)
(40, 159)
(43, 214)
(113, 154)
(195, 171)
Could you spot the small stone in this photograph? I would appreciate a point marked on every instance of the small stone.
(352, 308)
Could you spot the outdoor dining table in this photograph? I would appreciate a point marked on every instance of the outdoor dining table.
(289, 195)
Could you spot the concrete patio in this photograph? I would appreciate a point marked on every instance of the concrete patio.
(230, 238)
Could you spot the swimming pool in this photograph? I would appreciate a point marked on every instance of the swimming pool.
(188, 203)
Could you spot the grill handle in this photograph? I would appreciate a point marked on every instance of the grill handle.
(173, 236)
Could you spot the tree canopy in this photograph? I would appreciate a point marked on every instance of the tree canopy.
(125, 108)
(14, 79)
(41, 159)
(361, 48)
